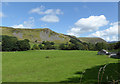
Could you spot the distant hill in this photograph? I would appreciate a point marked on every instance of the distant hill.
(112, 41)
(91, 39)
(44, 34)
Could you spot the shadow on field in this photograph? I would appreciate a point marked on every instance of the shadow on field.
(104, 74)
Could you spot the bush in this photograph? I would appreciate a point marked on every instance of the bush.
(35, 47)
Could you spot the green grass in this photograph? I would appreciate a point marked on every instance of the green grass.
(61, 66)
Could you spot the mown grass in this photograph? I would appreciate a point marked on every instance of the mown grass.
(61, 66)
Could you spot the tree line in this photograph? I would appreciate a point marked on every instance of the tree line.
(10, 43)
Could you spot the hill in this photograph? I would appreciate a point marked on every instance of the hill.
(44, 34)
(91, 39)
(33, 35)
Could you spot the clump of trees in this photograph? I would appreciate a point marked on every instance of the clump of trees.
(10, 43)
(100, 46)
(73, 44)
(117, 45)
(45, 45)
(107, 46)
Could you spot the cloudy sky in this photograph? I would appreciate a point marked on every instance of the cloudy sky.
(81, 19)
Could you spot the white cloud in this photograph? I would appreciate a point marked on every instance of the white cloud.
(90, 24)
(50, 18)
(38, 10)
(110, 34)
(44, 26)
(50, 14)
(2, 15)
(41, 10)
(26, 24)
(18, 26)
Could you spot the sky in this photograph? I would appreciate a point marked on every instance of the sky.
(81, 19)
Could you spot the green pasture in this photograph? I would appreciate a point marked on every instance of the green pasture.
(56, 66)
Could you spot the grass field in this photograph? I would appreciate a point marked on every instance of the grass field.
(61, 66)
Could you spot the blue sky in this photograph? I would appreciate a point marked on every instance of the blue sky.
(82, 19)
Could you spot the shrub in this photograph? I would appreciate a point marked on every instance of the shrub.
(35, 47)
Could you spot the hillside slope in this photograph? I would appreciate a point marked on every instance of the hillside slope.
(40, 34)
(44, 34)
(91, 39)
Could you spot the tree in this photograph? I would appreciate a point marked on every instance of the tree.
(73, 41)
(75, 45)
(23, 45)
(100, 46)
(111, 46)
(41, 46)
(91, 46)
(52, 43)
(80, 46)
(43, 42)
(71, 46)
(62, 46)
(36, 41)
(26, 40)
(9, 43)
(35, 47)
(48, 45)
(117, 45)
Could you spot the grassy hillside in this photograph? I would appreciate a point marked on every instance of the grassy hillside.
(35, 34)
(91, 39)
(61, 66)
(44, 34)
